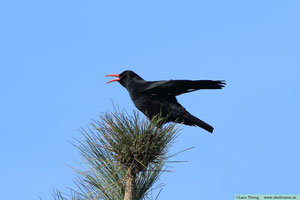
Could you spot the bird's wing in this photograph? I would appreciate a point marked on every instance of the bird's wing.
(177, 87)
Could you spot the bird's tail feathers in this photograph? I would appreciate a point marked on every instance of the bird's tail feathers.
(204, 125)
(194, 121)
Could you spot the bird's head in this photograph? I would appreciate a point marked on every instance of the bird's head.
(125, 77)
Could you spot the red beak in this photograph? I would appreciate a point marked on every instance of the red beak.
(114, 75)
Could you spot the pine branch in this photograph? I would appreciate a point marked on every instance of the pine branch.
(123, 156)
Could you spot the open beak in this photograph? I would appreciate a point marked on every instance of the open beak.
(114, 75)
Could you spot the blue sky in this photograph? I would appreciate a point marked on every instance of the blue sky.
(54, 55)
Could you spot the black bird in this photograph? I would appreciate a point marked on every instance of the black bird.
(159, 97)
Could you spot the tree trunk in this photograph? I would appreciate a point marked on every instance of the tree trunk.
(130, 181)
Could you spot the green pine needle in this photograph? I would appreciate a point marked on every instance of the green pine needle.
(113, 144)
